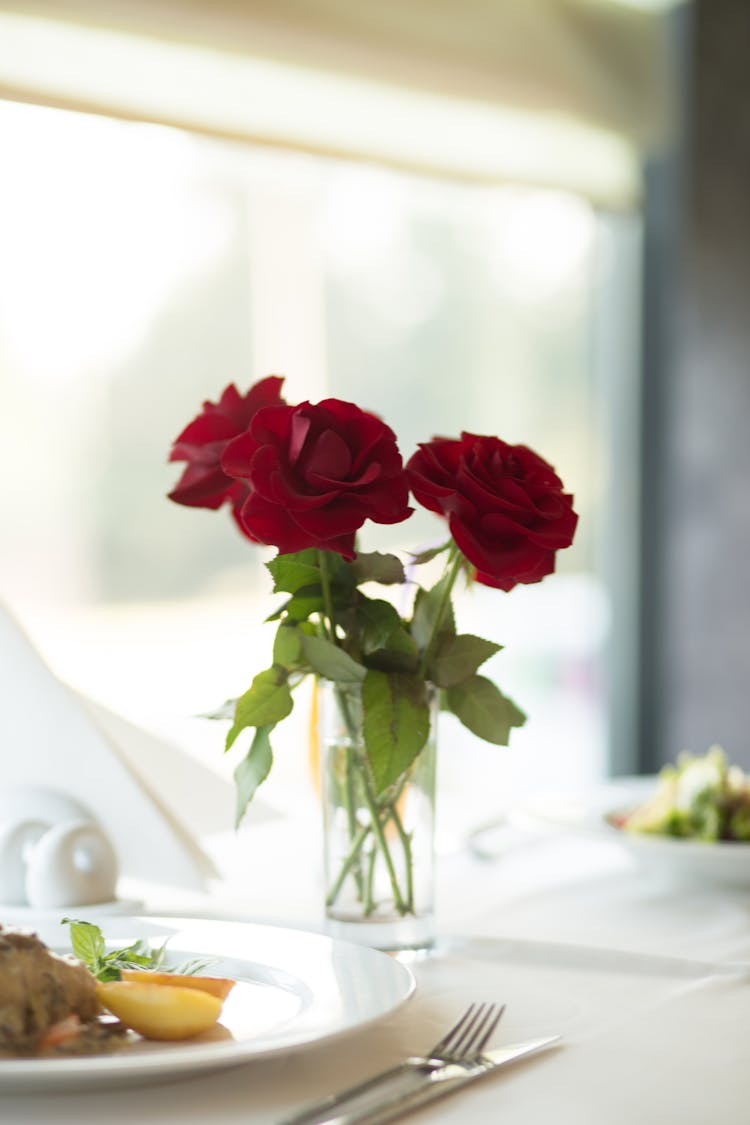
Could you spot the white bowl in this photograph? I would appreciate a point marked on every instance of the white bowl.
(591, 813)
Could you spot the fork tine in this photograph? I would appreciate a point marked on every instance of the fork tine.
(490, 1031)
(466, 1038)
(442, 1046)
(478, 1032)
(466, 1045)
(470, 1034)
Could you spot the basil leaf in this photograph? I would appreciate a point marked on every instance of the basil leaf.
(87, 942)
(89, 946)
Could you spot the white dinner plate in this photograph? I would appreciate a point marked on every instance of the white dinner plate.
(294, 989)
(721, 862)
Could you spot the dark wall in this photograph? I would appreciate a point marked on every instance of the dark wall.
(696, 535)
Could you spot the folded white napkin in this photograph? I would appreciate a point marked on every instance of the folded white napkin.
(154, 801)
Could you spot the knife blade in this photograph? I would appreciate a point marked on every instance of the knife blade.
(406, 1087)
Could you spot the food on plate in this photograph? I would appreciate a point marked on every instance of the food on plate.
(160, 1011)
(703, 798)
(39, 991)
(216, 986)
(96, 999)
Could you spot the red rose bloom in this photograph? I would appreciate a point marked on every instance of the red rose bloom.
(505, 506)
(204, 484)
(315, 473)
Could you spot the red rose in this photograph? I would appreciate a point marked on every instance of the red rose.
(505, 506)
(315, 473)
(203, 483)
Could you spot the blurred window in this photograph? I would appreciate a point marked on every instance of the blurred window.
(143, 268)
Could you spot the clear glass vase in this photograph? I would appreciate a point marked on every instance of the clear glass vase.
(379, 847)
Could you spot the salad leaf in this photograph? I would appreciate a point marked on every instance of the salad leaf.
(701, 798)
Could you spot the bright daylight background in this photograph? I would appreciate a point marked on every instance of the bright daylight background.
(144, 268)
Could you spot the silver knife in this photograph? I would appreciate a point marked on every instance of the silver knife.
(408, 1086)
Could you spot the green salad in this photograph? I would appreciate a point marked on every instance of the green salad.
(701, 797)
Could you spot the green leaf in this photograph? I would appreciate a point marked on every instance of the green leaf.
(376, 620)
(225, 711)
(158, 956)
(89, 946)
(388, 660)
(135, 956)
(287, 645)
(303, 604)
(400, 655)
(267, 702)
(484, 710)
(87, 942)
(108, 972)
(396, 723)
(193, 965)
(376, 567)
(292, 572)
(430, 554)
(306, 601)
(457, 658)
(252, 770)
(327, 659)
(426, 608)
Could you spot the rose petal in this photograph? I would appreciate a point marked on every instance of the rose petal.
(206, 428)
(341, 518)
(201, 488)
(273, 424)
(271, 524)
(275, 482)
(238, 455)
(329, 459)
(298, 430)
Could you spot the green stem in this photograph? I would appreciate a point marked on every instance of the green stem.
(405, 839)
(350, 802)
(454, 565)
(377, 828)
(330, 630)
(350, 861)
(358, 837)
(325, 582)
(369, 904)
(351, 814)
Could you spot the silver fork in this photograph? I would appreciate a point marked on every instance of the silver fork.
(459, 1048)
(469, 1035)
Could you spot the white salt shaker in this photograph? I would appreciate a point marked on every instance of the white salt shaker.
(72, 864)
(17, 841)
(52, 851)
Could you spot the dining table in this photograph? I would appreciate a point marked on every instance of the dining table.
(641, 970)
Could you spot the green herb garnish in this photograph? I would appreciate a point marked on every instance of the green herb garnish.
(89, 946)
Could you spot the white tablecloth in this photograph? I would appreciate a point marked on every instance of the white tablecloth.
(647, 981)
